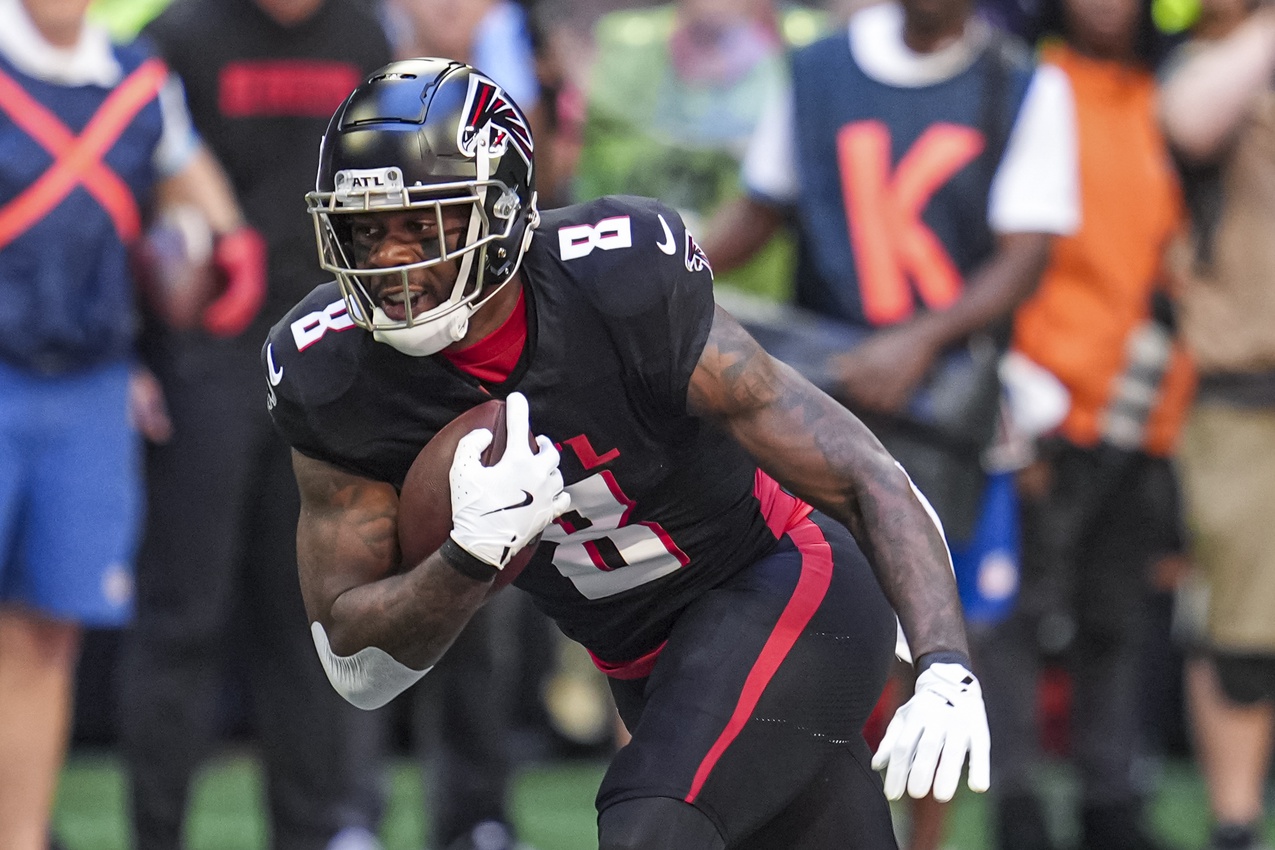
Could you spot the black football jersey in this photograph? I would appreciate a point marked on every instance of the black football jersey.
(620, 302)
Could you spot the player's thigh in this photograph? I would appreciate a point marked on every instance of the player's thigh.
(761, 681)
(84, 505)
(843, 808)
(656, 823)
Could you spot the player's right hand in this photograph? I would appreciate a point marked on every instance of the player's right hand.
(497, 510)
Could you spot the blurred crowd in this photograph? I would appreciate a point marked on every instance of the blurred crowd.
(1028, 241)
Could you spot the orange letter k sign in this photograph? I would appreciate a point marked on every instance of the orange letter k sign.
(892, 245)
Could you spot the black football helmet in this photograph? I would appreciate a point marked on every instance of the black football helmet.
(427, 134)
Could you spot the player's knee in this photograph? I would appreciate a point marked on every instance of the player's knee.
(1246, 679)
(656, 823)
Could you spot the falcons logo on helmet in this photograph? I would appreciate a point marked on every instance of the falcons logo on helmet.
(486, 105)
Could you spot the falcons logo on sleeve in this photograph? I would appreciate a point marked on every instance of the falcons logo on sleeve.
(696, 259)
(486, 104)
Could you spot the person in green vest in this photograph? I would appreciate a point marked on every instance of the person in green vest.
(124, 19)
(670, 103)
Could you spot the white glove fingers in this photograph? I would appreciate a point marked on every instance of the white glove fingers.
(517, 423)
(925, 761)
(470, 447)
(882, 756)
(948, 775)
(980, 778)
(561, 504)
(901, 755)
(547, 456)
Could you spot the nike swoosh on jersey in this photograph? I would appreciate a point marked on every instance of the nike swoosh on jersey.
(526, 501)
(668, 246)
(276, 373)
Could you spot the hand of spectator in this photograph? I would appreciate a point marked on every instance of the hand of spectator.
(881, 373)
(240, 258)
(147, 409)
(926, 742)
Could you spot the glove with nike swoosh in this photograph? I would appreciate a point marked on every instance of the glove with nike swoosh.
(927, 741)
(499, 509)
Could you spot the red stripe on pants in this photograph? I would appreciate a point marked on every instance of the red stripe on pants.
(812, 587)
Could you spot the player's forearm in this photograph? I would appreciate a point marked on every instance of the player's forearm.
(414, 616)
(910, 559)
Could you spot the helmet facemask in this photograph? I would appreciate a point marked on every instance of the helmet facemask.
(494, 217)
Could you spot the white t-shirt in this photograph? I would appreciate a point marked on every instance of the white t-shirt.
(91, 62)
(1036, 186)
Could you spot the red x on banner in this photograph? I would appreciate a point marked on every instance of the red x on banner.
(78, 159)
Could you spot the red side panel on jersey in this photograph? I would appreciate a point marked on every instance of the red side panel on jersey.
(812, 586)
(782, 510)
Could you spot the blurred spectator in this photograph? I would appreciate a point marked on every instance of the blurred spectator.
(957, 161)
(91, 133)
(1098, 507)
(672, 99)
(492, 35)
(1218, 109)
(218, 561)
(929, 165)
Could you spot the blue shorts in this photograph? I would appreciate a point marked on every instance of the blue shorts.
(70, 494)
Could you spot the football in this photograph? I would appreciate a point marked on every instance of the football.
(425, 502)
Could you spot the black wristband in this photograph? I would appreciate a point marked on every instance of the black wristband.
(943, 656)
(466, 564)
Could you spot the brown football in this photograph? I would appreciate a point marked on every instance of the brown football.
(425, 502)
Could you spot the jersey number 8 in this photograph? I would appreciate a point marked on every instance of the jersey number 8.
(595, 539)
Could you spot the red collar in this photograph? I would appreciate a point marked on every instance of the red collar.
(492, 359)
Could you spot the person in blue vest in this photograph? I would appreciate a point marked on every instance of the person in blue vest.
(927, 164)
(90, 133)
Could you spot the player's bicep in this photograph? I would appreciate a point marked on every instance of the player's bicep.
(347, 533)
(802, 437)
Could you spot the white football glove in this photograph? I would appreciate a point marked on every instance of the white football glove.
(929, 736)
(498, 509)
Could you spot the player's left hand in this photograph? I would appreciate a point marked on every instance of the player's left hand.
(926, 743)
(240, 258)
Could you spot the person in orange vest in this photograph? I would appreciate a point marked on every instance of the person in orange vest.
(91, 134)
(1099, 505)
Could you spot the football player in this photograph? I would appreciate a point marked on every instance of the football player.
(729, 544)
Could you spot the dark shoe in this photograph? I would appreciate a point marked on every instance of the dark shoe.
(1020, 824)
(1116, 827)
